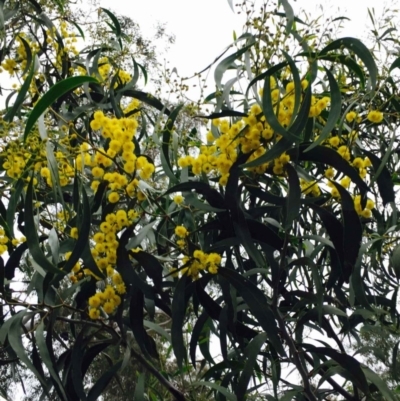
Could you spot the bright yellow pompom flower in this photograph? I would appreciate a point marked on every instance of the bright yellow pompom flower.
(375, 116)
(178, 199)
(181, 231)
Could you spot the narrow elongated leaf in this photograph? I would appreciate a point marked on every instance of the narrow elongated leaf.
(352, 234)
(166, 139)
(47, 359)
(13, 204)
(382, 176)
(293, 196)
(258, 305)
(322, 154)
(21, 94)
(96, 391)
(289, 14)
(56, 91)
(350, 364)
(32, 237)
(114, 19)
(356, 46)
(334, 113)
(178, 317)
(228, 395)
(379, 383)
(148, 99)
(227, 62)
(252, 351)
(15, 340)
(139, 388)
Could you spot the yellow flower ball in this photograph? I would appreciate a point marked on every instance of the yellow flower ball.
(181, 231)
(95, 301)
(113, 197)
(178, 199)
(375, 116)
(94, 313)
(350, 116)
(109, 307)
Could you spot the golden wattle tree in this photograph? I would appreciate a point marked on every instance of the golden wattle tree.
(235, 261)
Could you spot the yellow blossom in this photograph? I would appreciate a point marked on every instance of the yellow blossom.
(375, 116)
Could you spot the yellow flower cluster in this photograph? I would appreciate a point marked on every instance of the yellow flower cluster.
(120, 151)
(104, 249)
(108, 300)
(3, 241)
(368, 207)
(309, 188)
(181, 231)
(200, 262)
(251, 134)
(105, 71)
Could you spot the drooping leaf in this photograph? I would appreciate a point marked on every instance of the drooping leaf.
(258, 305)
(56, 91)
(178, 316)
(356, 46)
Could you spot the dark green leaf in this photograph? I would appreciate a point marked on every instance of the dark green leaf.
(258, 305)
(56, 91)
(293, 196)
(178, 318)
(356, 46)
(32, 237)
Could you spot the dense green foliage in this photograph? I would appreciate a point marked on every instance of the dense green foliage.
(143, 252)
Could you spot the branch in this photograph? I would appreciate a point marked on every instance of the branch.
(337, 387)
(295, 357)
(173, 390)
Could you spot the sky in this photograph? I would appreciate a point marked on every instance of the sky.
(203, 29)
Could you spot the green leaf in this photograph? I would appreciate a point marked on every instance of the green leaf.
(395, 261)
(322, 154)
(395, 64)
(158, 329)
(56, 91)
(251, 351)
(166, 138)
(13, 203)
(139, 388)
(32, 237)
(289, 14)
(334, 113)
(117, 26)
(352, 230)
(258, 305)
(136, 317)
(382, 175)
(96, 391)
(395, 373)
(15, 340)
(178, 318)
(198, 335)
(345, 60)
(47, 359)
(227, 62)
(350, 364)
(83, 235)
(148, 99)
(293, 196)
(21, 95)
(356, 46)
(220, 389)
(379, 383)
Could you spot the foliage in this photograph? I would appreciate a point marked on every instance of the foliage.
(137, 238)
